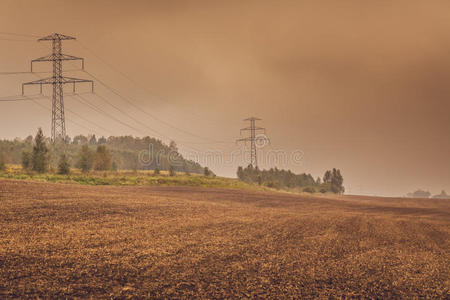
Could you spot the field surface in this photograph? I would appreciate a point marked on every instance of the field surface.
(77, 241)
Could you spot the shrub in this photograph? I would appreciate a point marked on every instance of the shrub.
(63, 165)
(102, 160)
(206, 171)
(309, 189)
(273, 184)
(171, 171)
(156, 171)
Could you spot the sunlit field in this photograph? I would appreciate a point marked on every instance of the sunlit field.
(67, 240)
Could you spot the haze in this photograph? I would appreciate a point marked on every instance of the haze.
(358, 85)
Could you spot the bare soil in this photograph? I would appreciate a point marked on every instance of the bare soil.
(75, 241)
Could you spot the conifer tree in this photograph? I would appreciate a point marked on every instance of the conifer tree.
(39, 156)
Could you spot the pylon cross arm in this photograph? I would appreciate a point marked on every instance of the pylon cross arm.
(56, 36)
(52, 57)
(52, 80)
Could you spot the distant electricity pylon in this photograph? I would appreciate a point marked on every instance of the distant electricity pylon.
(255, 139)
(58, 81)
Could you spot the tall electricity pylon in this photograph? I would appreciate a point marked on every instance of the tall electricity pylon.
(253, 138)
(57, 81)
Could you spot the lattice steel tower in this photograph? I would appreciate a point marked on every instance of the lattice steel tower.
(253, 138)
(57, 81)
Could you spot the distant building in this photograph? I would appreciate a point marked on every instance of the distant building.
(442, 195)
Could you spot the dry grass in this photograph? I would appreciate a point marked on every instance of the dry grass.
(61, 240)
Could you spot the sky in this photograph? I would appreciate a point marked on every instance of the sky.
(362, 86)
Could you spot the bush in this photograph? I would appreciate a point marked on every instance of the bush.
(156, 171)
(309, 189)
(206, 172)
(63, 165)
(102, 160)
(171, 171)
(273, 185)
(323, 190)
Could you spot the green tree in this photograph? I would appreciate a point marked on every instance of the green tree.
(337, 181)
(102, 160)
(39, 156)
(2, 162)
(26, 160)
(327, 177)
(63, 165)
(85, 159)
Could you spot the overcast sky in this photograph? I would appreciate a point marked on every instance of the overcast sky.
(358, 85)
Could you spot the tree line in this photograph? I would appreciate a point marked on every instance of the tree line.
(332, 180)
(89, 153)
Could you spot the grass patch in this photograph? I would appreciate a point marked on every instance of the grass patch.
(128, 178)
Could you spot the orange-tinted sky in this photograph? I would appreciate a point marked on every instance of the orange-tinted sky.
(358, 85)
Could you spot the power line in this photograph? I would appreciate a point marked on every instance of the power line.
(96, 108)
(68, 119)
(83, 118)
(29, 72)
(114, 91)
(15, 40)
(99, 110)
(22, 72)
(161, 135)
(58, 123)
(19, 34)
(18, 99)
(123, 74)
(210, 141)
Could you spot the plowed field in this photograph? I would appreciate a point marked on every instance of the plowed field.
(62, 240)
